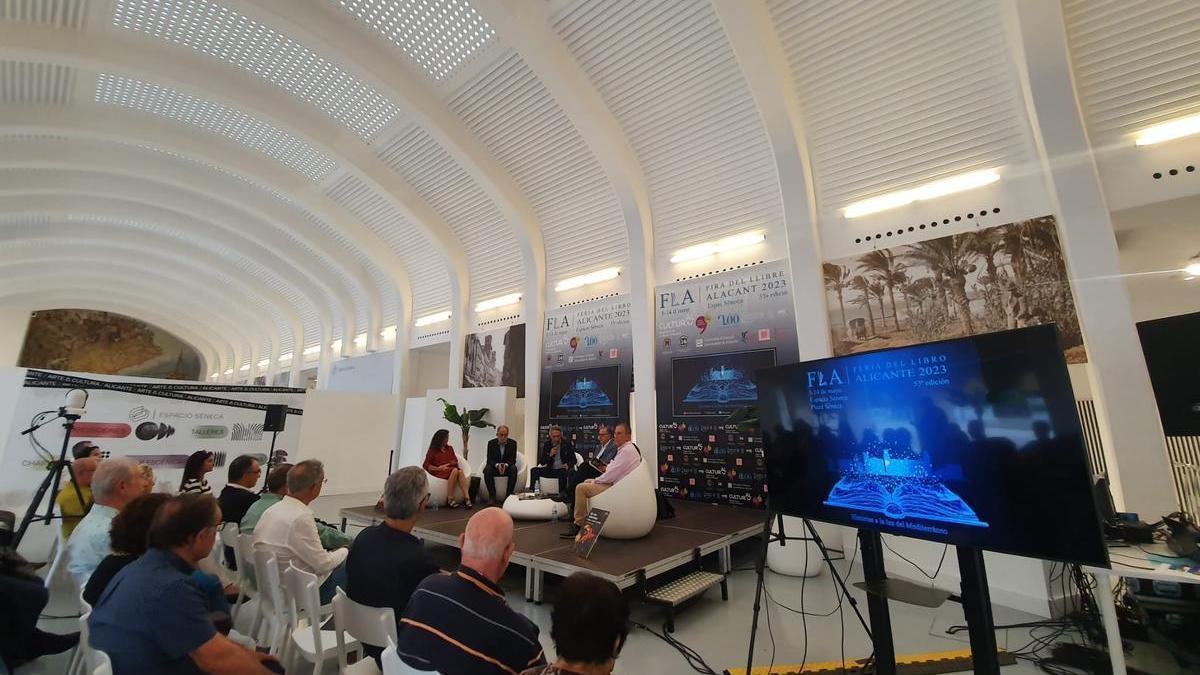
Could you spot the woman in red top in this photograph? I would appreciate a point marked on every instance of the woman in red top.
(441, 462)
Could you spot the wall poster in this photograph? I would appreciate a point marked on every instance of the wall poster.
(496, 358)
(712, 335)
(994, 278)
(587, 370)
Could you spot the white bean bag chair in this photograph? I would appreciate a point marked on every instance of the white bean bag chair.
(791, 560)
(438, 487)
(534, 509)
(502, 481)
(631, 505)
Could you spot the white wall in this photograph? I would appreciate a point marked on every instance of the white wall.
(352, 433)
(431, 369)
(369, 373)
(13, 324)
(413, 440)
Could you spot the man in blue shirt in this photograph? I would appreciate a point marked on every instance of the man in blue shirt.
(116, 483)
(152, 618)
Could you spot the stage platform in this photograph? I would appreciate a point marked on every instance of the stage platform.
(673, 543)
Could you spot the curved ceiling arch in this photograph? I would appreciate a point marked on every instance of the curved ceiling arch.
(212, 80)
(66, 249)
(203, 302)
(148, 194)
(236, 196)
(34, 196)
(161, 134)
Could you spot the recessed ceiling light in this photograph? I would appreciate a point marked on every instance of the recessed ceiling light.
(433, 318)
(502, 301)
(938, 188)
(720, 246)
(1169, 131)
(588, 279)
(1192, 268)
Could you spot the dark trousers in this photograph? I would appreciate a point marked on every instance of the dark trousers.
(23, 599)
(489, 479)
(563, 475)
(582, 473)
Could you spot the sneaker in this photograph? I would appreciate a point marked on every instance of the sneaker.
(570, 532)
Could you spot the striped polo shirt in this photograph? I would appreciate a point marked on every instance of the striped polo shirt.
(461, 623)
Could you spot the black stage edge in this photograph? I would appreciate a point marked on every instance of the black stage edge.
(877, 605)
(977, 608)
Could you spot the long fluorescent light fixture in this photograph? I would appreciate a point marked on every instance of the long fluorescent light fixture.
(264, 363)
(1169, 131)
(245, 367)
(433, 318)
(720, 246)
(938, 188)
(286, 357)
(588, 279)
(1192, 269)
(214, 376)
(315, 349)
(502, 301)
(229, 371)
(388, 332)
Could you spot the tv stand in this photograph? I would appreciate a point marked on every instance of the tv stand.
(977, 608)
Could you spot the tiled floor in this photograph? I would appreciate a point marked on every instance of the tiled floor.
(720, 631)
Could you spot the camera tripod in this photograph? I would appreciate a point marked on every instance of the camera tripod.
(51, 481)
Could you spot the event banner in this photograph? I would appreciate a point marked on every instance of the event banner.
(990, 279)
(587, 370)
(496, 358)
(155, 422)
(713, 334)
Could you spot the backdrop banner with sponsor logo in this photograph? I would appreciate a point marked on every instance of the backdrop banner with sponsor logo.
(587, 370)
(713, 334)
(156, 422)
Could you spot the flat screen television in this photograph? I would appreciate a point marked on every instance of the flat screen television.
(1170, 346)
(715, 385)
(585, 393)
(972, 442)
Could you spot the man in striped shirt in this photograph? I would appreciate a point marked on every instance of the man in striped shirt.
(461, 623)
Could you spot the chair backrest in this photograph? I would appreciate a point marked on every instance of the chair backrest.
(103, 664)
(266, 569)
(85, 646)
(304, 593)
(394, 665)
(243, 554)
(228, 534)
(369, 625)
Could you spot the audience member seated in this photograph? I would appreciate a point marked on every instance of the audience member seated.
(331, 537)
(590, 622)
(115, 483)
(147, 476)
(596, 464)
(86, 449)
(153, 618)
(501, 461)
(555, 460)
(460, 623)
(288, 530)
(23, 597)
(628, 458)
(199, 464)
(386, 561)
(238, 495)
(128, 542)
(441, 462)
(69, 506)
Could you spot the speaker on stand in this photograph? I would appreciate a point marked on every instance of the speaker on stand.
(274, 422)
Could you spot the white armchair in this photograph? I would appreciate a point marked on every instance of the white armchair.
(631, 504)
(438, 487)
(502, 481)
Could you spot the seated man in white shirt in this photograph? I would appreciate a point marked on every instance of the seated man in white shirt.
(288, 530)
(627, 459)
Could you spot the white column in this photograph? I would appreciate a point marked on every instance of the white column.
(14, 321)
(1133, 439)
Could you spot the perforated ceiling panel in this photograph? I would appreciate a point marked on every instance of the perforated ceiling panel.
(217, 118)
(668, 74)
(35, 83)
(57, 13)
(896, 94)
(493, 256)
(440, 36)
(220, 32)
(427, 267)
(522, 125)
(1135, 63)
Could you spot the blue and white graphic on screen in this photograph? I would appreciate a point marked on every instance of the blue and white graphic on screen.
(899, 489)
(722, 384)
(584, 393)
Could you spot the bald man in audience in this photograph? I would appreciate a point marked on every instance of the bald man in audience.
(461, 623)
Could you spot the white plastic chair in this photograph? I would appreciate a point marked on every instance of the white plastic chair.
(502, 481)
(307, 638)
(103, 664)
(394, 665)
(370, 625)
(230, 537)
(78, 664)
(246, 609)
(631, 504)
(271, 625)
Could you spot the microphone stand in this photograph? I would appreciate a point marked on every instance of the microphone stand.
(51, 481)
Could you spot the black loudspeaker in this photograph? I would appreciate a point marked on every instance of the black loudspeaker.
(276, 418)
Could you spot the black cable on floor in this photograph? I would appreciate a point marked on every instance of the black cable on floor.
(691, 656)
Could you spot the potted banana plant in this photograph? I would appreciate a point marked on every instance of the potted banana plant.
(465, 419)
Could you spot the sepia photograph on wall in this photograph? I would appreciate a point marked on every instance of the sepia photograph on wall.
(990, 279)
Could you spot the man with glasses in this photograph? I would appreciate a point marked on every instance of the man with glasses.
(238, 494)
(386, 561)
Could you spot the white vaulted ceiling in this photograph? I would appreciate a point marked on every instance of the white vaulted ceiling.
(268, 176)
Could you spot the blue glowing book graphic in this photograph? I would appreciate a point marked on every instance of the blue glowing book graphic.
(584, 393)
(722, 385)
(900, 489)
